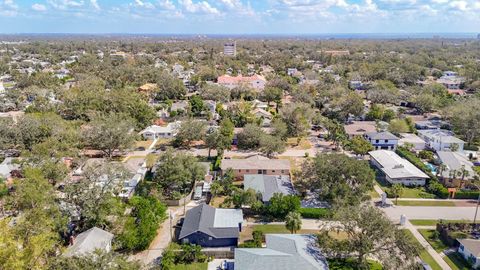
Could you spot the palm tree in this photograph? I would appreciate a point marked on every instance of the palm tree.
(396, 190)
(441, 169)
(463, 173)
(293, 222)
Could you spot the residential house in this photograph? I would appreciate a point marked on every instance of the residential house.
(180, 106)
(455, 163)
(256, 82)
(283, 252)
(267, 185)
(410, 138)
(154, 132)
(451, 82)
(382, 140)
(359, 128)
(396, 169)
(292, 72)
(470, 250)
(264, 115)
(89, 241)
(256, 165)
(207, 226)
(440, 139)
(356, 85)
(7, 167)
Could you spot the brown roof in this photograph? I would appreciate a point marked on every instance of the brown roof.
(256, 163)
(360, 127)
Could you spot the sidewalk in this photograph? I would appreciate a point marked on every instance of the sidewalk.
(427, 246)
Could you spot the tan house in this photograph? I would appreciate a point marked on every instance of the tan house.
(256, 165)
(359, 128)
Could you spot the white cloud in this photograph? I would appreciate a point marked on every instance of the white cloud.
(39, 7)
(8, 8)
(166, 4)
(65, 4)
(95, 4)
(202, 7)
(143, 4)
(460, 5)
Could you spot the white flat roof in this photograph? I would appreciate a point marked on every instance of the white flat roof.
(396, 167)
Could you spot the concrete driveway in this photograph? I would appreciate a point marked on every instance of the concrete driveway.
(216, 264)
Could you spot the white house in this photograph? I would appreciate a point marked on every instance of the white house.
(89, 241)
(410, 138)
(470, 250)
(440, 139)
(396, 169)
(156, 132)
(382, 140)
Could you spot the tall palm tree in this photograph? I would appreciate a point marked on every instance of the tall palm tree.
(463, 173)
(441, 169)
(293, 222)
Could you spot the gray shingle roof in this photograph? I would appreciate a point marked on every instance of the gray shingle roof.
(283, 252)
(381, 136)
(89, 241)
(218, 223)
(268, 185)
(472, 245)
(454, 161)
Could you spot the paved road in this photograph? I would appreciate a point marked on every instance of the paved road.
(307, 224)
(427, 212)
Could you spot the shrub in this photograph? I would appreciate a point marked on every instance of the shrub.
(470, 147)
(316, 213)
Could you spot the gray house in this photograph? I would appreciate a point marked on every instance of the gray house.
(283, 252)
(89, 241)
(207, 226)
(268, 185)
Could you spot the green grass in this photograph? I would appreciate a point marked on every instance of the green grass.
(271, 228)
(456, 261)
(350, 264)
(437, 244)
(433, 222)
(416, 193)
(424, 203)
(424, 255)
(192, 266)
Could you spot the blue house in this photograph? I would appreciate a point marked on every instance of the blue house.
(207, 226)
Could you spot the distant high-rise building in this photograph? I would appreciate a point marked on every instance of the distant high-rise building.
(230, 48)
(478, 36)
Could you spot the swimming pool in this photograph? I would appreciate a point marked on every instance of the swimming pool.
(431, 167)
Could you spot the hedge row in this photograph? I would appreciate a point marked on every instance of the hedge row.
(316, 213)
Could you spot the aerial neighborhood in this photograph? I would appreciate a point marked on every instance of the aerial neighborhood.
(239, 153)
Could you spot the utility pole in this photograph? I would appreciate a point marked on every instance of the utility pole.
(171, 225)
(476, 211)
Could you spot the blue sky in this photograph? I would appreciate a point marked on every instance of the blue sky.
(239, 16)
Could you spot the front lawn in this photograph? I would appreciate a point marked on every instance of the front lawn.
(276, 228)
(424, 255)
(350, 264)
(434, 241)
(424, 203)
(192, 266)
(433, 222)
(144, 144)
(456, 261)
